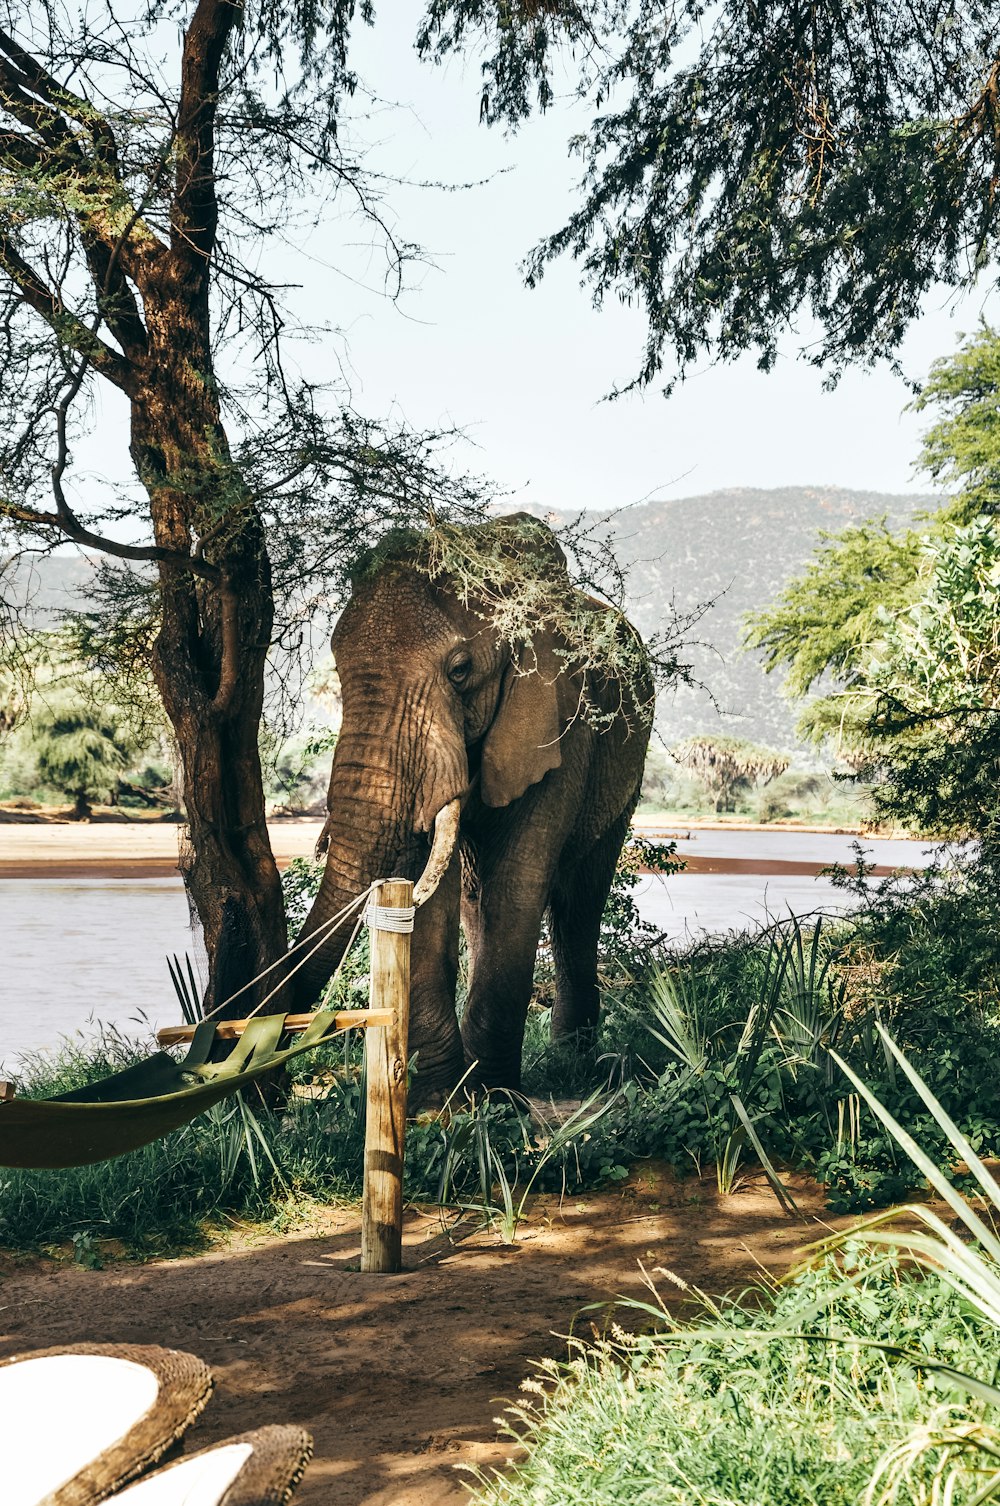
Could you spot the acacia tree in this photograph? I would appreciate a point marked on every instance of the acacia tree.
(828, 622)
(891, 642)
(727, 765)
(141, 170)
(748, 163)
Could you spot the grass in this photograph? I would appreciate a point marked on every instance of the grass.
(869, 1376)
(235, 1162)
(740, 1407)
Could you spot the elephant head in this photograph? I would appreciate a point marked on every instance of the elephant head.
(433, 700)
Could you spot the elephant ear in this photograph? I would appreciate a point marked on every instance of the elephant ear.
(522, 744)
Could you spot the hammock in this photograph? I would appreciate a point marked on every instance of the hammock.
(155, 1096)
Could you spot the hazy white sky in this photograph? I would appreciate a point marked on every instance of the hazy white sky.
(524, 372)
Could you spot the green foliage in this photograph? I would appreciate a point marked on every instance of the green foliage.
(869, 1375)
(825, 620)
(934, 685)
(716, 1056)
(625, 936)
(742, 1404)
(962, 451)
(747, 166)
(755, 1016)
(727, 765)
(905, 625)
(77, 750)
(815, 795)
(68, 736)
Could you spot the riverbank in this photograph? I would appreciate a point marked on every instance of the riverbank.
(132, 850)
(148, 849)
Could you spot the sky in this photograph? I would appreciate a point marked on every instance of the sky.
(524, 373)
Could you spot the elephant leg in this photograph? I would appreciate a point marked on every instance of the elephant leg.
(434, 1033)
(502, 923)
(578, 899)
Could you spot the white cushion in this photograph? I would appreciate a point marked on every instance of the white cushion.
(59, 1412)
(201, 1481)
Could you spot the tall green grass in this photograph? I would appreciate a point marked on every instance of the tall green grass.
(738, 1408)
(870, 1377)
(237, 1161)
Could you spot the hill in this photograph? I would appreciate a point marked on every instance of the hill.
(732, 548)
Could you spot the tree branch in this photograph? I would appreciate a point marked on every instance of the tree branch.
(195, 210)
(41, 104)
(26, 102)
(115, 298)
(67, 326)
(71, 528)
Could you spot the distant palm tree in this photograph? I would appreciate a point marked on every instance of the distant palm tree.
(726, 765)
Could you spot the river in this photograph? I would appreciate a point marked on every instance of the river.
(81, 950)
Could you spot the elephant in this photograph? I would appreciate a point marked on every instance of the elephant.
(474, 765)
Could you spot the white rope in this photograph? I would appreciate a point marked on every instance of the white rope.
(317, 938)
(303, 960)
(398, 918)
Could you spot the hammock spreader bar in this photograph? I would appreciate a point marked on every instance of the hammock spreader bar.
(153, 1097)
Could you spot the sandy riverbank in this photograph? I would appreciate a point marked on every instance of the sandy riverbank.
(141, 849)
(148, 849)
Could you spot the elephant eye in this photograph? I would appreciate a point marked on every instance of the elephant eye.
(460, 670)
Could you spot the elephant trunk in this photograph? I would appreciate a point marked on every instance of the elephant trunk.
(368, 838)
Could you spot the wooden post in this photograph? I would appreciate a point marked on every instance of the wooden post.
(385, 1066)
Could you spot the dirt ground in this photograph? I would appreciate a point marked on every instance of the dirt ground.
(400, 1378)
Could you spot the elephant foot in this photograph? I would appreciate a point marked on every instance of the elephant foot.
(581, 1039)
(431, 1089)
(489, 1077)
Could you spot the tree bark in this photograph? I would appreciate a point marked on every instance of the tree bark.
(153, 294)
(215, 629)
(212, 645)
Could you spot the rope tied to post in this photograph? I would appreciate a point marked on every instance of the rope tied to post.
(396, 918)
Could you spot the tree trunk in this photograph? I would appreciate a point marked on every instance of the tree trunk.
(210, 652)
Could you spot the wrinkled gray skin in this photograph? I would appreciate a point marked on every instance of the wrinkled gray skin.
(434, 709)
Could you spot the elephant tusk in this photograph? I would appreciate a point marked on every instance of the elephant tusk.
(323, 840)
(445, 836)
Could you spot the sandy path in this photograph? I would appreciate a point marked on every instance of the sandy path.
(400, 1378)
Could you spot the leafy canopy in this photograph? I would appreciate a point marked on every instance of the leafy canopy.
(932, 689)
(892, 640)
(750, 164)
